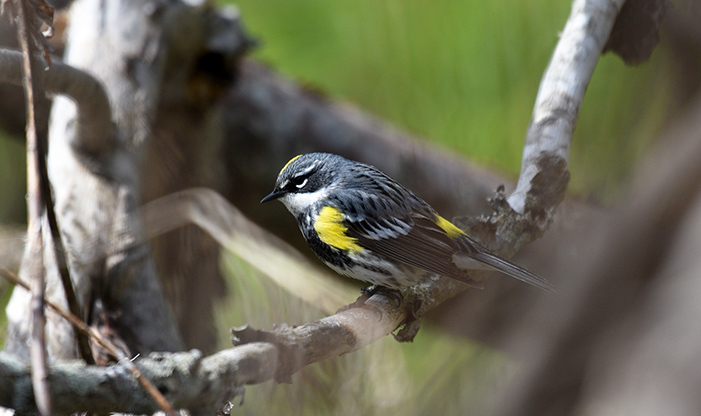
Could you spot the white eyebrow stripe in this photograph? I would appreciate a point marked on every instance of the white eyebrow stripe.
(307, 170)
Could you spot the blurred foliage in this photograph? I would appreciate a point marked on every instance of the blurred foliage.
(13, 180)
(463, 74)
(13, 184)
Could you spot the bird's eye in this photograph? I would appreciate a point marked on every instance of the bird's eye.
(302, 184)
(297, 182)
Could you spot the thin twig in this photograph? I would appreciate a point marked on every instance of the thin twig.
(100, 340)
(38, 166)
(40, 377)
(61, 260)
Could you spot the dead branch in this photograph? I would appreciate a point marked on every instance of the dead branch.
(91, 137)
(626, 322)
(561, 93)
(103, 342)
(188, 380)
(199, 384)
(97, 189)
(544, 177)
(95, 135)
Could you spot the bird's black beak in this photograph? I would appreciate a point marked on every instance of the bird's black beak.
(273, 195)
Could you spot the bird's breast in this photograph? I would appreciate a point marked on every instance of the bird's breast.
(330, 228)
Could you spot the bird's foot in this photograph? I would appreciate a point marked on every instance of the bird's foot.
(408, 297)
(407, 332)
(415, 311)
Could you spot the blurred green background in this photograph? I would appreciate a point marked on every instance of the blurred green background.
(464, 75)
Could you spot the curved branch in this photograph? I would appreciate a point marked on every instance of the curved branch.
(561, 93)
(95, 133)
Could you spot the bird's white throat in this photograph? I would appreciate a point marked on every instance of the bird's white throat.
(297, 203)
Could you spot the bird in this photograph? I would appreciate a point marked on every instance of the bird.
(365, 225)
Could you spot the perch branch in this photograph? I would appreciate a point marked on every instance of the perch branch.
(528, 212)
(202, 384)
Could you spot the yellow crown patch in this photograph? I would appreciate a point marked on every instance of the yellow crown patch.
(288, 164)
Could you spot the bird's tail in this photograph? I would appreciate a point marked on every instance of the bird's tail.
(487, 258)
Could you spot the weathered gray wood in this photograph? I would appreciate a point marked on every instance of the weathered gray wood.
(143, 53)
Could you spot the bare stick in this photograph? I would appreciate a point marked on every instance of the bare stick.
(35, 204)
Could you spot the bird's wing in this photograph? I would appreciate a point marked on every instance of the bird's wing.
(410, 238)
(405, 229)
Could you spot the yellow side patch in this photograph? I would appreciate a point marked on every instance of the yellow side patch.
(449, 227)
(329, 226)
(288, 164)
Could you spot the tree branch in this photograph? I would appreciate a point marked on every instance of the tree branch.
(203, 384)
(528, 212)
(95, 135)
(102, 342)
(561, 93)
(189, 381)
(625, 322)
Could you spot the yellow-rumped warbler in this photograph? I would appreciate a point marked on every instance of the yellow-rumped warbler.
(365, 225)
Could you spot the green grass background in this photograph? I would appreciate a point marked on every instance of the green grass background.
(463, 75)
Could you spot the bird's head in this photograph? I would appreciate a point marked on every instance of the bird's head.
(307, 179)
